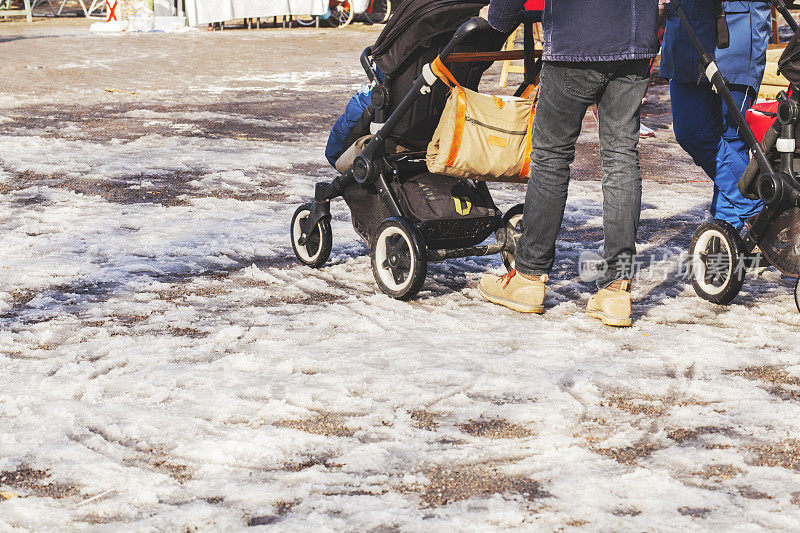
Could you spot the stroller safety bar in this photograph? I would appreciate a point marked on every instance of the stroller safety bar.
(367, 64)
(506, 55)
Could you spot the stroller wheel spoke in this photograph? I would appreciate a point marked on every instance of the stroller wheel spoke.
(404, 260)
(397, 274)
(714, 244)
(397, 260)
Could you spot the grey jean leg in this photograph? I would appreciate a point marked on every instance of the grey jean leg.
(567, 90)
(556, 127)
(618, 110)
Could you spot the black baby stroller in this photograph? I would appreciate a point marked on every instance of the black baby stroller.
(719, 255)
(406, 215)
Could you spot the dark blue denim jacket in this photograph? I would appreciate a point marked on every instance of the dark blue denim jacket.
(589, 30)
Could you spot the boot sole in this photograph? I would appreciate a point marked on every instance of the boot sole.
(511, 304)
(610, 320)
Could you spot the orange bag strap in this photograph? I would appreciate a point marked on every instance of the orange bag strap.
(458, 133)
(526, 165)
(441, 72)
(529, 90)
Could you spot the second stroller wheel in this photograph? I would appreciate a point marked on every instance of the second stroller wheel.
(379, 11)
(797, 293)
(513, 226)
(399, 260)
(717, 266)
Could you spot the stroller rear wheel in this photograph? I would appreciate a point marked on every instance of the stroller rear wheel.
(315, 249)
(717, 265)
(399, 261)
(513, 226)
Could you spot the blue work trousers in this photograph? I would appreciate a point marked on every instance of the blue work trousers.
(709, 134)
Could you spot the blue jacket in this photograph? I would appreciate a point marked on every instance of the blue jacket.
(742, 63)
(589, 30)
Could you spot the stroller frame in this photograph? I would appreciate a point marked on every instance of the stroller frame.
(779, 190)
(311, 223)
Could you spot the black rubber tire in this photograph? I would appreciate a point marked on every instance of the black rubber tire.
(380, 12)
(512, 222)
(717, 244)
(797, 293)
(317, 250)
(398, 241)
(341, 14)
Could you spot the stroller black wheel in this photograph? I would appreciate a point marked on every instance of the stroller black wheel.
(717, 265)
(797, 293)
(399, 260)
(513, 226)
(379, 10)
(316, 248)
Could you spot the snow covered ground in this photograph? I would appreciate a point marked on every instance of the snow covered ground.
(165, 364)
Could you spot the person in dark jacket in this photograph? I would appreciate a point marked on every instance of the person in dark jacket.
(595, 52)
(702, 124)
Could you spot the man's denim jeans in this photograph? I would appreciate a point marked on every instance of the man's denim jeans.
(566, 91)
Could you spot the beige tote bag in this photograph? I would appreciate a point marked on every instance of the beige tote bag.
(481, 137)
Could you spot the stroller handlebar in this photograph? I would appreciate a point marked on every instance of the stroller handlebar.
(473, 25)
(478, 24)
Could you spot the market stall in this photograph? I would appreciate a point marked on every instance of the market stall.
(201, 12)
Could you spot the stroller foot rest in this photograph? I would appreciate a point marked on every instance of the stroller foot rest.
(472, 251)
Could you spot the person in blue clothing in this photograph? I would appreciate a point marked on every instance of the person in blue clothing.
(701, 121)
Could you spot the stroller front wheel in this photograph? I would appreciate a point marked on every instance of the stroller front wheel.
(399, 260)
(513, 227)
(316, 247)
(717, 265)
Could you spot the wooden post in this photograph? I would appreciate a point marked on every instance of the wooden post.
(774, 19)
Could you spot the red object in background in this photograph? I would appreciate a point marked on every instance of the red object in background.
(112, 10)
(534, 5)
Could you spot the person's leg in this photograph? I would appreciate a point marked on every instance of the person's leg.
(697, 123)
(618, 109)
(732, 158)
(565, 93)
(714, 144)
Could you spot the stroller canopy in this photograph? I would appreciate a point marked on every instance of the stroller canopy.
(420, 22)
(789, 62)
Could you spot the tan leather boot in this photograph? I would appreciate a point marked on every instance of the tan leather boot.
(514, 291)
(612, 305)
